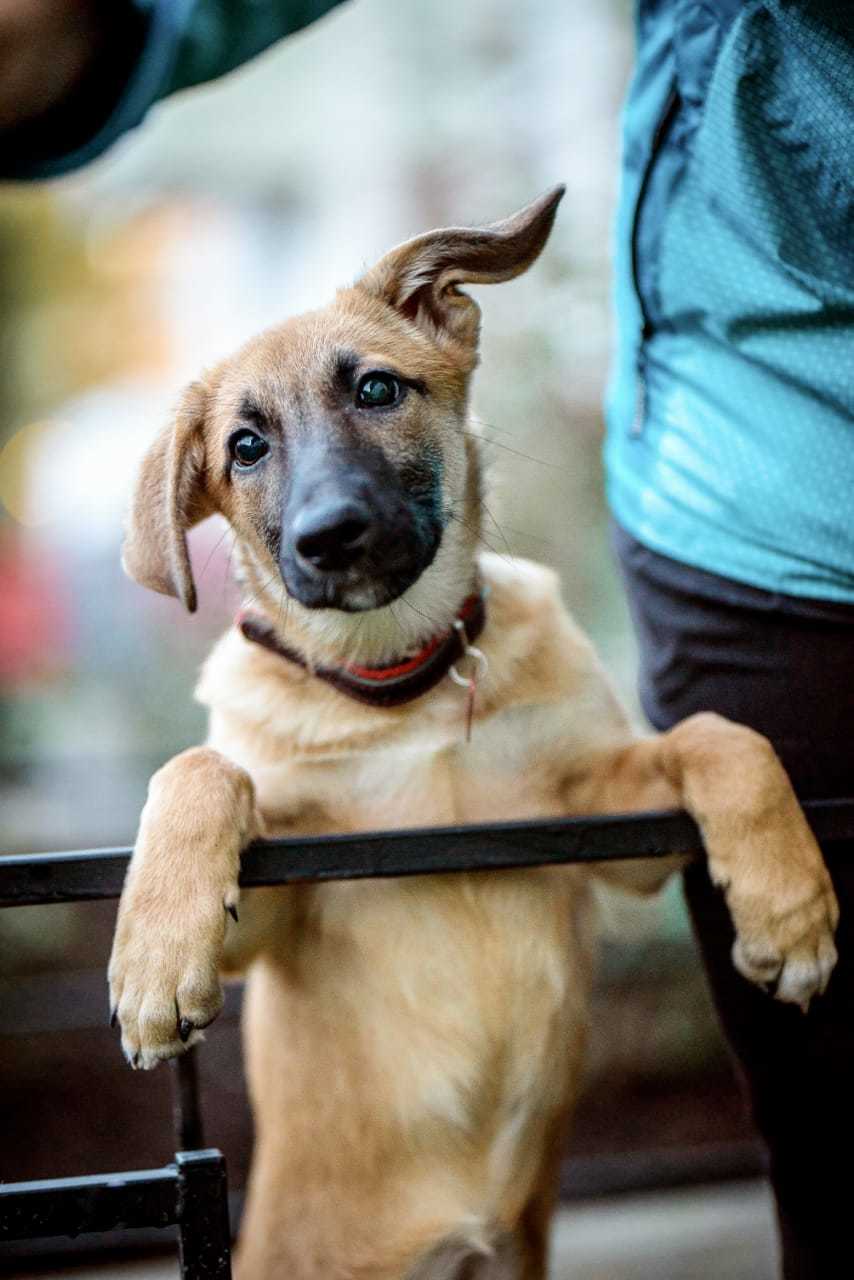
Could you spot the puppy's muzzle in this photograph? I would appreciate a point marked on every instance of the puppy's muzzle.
(334, 534)
(353, 538)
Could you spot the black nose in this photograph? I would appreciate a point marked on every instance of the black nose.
(333, 535)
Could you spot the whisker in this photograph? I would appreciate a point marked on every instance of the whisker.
(480, 536)
(534, 537)
(501, 532)
(397, 621)
(490, 426)
(520, 533)
(214, 550)
(263, 587)
(227, 575)
(354, 637)
(283, 597)
(542, 462)
(421, 614)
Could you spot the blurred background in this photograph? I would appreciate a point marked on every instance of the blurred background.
(235, 205)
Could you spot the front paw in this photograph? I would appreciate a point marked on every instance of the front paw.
(786, 946)
(164, 972)
(182, 880)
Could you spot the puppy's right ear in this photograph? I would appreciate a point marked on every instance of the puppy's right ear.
(169, 498)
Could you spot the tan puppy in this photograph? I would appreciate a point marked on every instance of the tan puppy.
(413, 1046)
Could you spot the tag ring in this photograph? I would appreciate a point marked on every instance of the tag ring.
(481, 667)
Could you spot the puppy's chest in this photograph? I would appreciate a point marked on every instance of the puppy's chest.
(461, 989)
(502, 772)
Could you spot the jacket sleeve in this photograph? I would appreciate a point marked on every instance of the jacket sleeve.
(174, 44)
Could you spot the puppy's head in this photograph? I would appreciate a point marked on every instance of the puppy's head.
(334, 444)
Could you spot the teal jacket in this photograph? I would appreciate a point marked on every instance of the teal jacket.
(156, 48)
(730, 442)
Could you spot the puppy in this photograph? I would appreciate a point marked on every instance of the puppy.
(413, 1046)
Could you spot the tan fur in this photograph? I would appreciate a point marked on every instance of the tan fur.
(413, 1046)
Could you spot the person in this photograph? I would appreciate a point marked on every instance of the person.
(76, 75)
(730, 424)
(730, 463)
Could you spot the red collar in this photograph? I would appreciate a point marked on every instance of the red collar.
(399, 682)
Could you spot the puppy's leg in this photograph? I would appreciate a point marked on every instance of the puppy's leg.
(533, 1232)
(760, 849)
(182, 882)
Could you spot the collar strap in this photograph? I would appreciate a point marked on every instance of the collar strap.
(399, 682)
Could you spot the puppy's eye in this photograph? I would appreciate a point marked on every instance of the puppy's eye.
(377, 391)
(247, 448)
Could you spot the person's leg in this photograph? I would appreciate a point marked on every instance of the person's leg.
(784, 668)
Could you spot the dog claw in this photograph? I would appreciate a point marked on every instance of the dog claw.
(185, 1028)
(232, 911)
(114, 1018)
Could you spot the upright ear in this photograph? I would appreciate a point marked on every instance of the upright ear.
(420, 277)
(169, 498)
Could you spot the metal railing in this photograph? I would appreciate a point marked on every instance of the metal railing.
(192, 1193)
(81, 876)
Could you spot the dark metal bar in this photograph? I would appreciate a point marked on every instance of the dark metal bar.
(186, 1110)
(76, 877)
(32, 878)
(72, 1206)
(205, 1236)
(191, 1194)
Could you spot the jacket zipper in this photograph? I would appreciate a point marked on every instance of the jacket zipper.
(662, 129)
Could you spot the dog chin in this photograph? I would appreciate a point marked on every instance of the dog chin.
(342, 592)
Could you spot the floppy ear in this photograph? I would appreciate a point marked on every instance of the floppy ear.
(420, 277)
(169, 498)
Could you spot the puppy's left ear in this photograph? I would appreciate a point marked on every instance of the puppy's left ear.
(169, 498)
(420, 277)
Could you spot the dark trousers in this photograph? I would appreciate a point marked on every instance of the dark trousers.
(784, 666)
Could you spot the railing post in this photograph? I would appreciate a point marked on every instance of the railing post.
(204, 1232)
(186, 1109)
